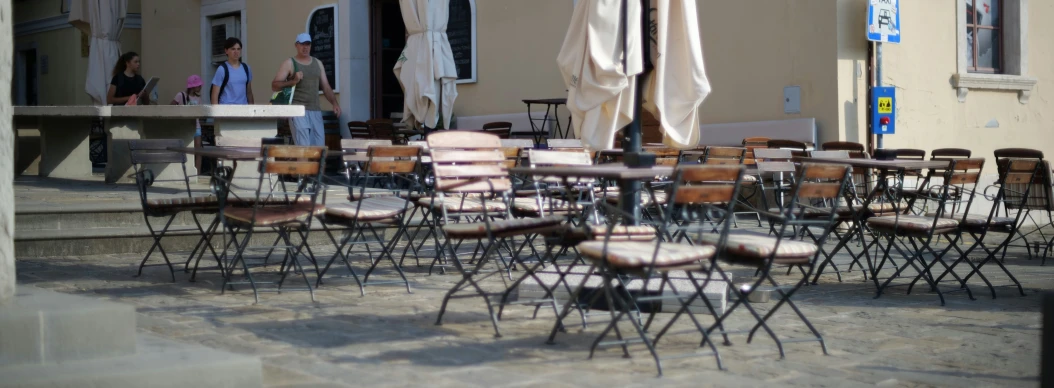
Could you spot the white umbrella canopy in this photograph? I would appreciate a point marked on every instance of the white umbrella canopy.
(103, 21)
(677, 86)
(600, 90)
(426, 68)
(601, 93)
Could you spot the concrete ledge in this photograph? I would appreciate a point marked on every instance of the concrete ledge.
(42, 326)
(165, 111)
(159, 363)
(732, 134)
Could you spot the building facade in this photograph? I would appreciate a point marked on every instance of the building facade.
(753, 50)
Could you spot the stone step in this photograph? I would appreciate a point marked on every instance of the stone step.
(99, 241)
(157, 363)
(43, 326)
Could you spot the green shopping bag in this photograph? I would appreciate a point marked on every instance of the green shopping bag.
(285, 96)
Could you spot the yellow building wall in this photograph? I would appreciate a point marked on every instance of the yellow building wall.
(171, 44)
(516, 42)
(753, 49)
(929, 114)
(67, 69)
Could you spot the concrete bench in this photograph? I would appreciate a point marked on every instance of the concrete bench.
(732, 134)
(64, 131)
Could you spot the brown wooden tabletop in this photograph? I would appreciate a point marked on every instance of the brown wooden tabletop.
(606, 171)
(880, 164)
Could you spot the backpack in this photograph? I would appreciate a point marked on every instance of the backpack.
(227, 77)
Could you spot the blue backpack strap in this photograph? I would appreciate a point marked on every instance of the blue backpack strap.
(247, 71)
(226, 77)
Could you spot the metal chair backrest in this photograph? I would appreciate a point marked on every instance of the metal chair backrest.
(153, 153)
(499, 128)
(959, 187)
(725, 155)
(381, 128)
(359, 130)
(842, 146)
(468, 162)
(1041, 196)
(911, 154)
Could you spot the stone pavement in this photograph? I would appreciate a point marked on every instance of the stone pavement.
(388, 337)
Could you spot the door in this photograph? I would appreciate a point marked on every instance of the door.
(387, 39)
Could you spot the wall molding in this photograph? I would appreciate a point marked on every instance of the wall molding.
(58, 22)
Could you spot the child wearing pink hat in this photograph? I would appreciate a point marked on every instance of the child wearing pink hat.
(191, 96)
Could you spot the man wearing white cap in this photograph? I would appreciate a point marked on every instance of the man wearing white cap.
(309, 76)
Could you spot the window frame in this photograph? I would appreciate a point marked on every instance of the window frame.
(997, 27)
(1014, 55)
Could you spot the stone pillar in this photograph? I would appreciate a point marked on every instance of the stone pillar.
(7, 152)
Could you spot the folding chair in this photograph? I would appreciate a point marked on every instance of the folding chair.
(472, 183)
(1014, 174)
(285, 209)
(817, 185)
(353, 161)
(920, 231)
(398, 165)
(147, 154)
(698, 193)
(1041, 200)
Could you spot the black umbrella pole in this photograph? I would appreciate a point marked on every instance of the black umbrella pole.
(631, 135)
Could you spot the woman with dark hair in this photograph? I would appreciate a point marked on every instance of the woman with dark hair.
(126, 80)
(232, 83)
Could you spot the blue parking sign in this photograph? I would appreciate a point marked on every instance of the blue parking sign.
(883, 21)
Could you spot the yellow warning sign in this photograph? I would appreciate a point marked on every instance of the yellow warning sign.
(885, 105)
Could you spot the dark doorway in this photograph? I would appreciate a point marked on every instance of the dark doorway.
(387, 39)
(26, 78)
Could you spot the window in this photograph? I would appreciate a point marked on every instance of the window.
(993, 47)
(984, 22)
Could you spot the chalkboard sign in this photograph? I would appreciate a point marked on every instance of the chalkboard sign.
(461, 31)
(322, 25)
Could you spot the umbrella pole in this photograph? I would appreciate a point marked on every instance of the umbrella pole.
(631, 135)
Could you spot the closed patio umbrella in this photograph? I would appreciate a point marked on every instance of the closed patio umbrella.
(103, 21)
(426, 68)
(601, 89)
(677, 86)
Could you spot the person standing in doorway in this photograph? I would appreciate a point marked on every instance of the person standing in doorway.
(126, 80)
(309, 79)
(232, 83)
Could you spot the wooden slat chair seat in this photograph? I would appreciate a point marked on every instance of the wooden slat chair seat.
(755, 248)
(272, 215)
(375, 208)
(637, 254)
(503, 228)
